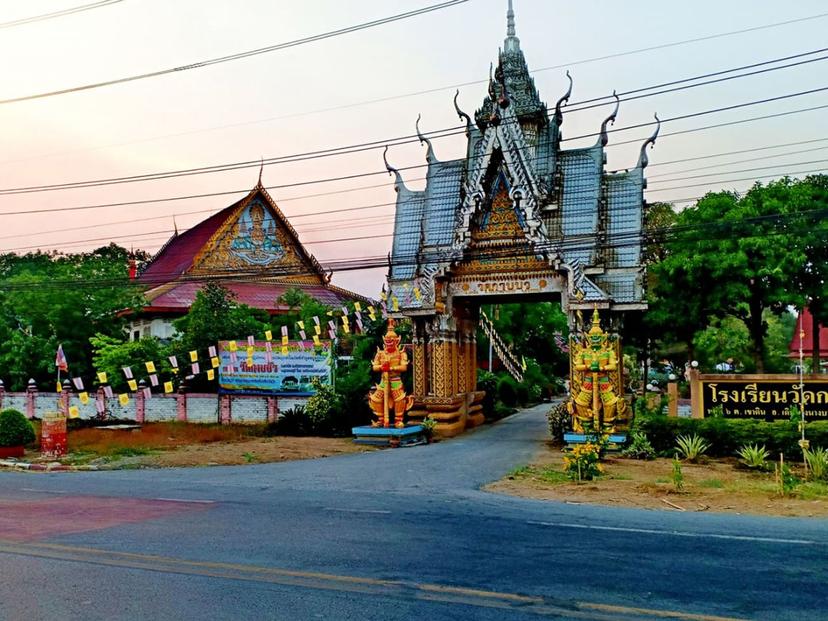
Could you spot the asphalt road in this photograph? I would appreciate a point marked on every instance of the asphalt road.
(402, 534)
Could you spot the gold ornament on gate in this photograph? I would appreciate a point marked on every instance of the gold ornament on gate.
(596, 382)
(389, 395)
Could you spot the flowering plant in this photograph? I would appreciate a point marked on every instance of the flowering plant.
(583, 463)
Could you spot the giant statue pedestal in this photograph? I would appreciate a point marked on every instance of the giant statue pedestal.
(389, 436)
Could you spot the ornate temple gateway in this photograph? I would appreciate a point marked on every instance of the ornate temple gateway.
(516, 218)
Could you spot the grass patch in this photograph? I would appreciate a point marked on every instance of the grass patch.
(812, 490)
(712, 483)
(547, 474)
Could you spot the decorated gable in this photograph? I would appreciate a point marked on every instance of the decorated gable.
(254, 237)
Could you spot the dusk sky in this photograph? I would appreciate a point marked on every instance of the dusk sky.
(319, 95)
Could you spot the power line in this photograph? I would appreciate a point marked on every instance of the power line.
(54, 14)
(445, 88)
(405, 139)
(240, 55)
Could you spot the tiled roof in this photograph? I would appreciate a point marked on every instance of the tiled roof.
(579, 206)
(180, 296)
(805, 323)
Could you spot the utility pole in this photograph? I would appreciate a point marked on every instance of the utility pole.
(491, 334)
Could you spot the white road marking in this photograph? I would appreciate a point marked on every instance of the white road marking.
(202, 502)
(42, 491)
(677, 533)
(379, 511)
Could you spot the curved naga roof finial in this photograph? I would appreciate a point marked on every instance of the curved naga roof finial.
(430, 153)
(609, 119)
(643, 160)
(398, 182)
(462, 114)
(565, 98)
(500, 76)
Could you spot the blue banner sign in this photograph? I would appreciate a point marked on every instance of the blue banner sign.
(273, 372)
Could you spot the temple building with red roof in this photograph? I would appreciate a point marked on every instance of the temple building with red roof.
(250, 247)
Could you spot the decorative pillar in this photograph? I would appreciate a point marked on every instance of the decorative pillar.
(672, 399)
(419, 362)
(65, 396)
(272, 409)
(2, 393)
(225, 414)
(100, 403)
(181, 402)
(31, 399)
(140, 403)
(462, 362)
(693, 376)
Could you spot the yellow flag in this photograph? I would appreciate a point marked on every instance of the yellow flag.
(210, 375)
(317, 329)
(232, 346)
(316, 340)
(214, 361)
(301, 325)
(284, 340)
(168, 387)
(346, 328)
(358, 307)
(133, 385)
(284, 350)
(74, 412)
(84, 397)
(101, 377)
(150, 366)
(268, 335)
(123, 399)
(249, 351)
(59, 387)
(194, 356)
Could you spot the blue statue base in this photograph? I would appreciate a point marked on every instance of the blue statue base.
(389, 436)
(616, 440)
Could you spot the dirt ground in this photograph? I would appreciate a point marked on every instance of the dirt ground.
(163, 445)
(715, 486)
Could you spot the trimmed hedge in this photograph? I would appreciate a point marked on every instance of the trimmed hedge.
(15, 429)
(727, 435)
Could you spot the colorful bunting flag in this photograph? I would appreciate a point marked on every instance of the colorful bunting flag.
(153, 379)
(74, 412)
(133, 385)
(168, 387)
(195, 368)
(194, 356)
(78, 382)
(150, 366)
(147, 393)
(232, 346)
(316, 340)
(108, 392)
(83, 397)
(251, 340)
(173, 362)
(100, 406)
(59, 387)
(127, 372)
(214, 361)
(284, 350)
(211, 351)
(101, 377)
(357, 307)
(123, 399)
(268, 335)
(210, 375)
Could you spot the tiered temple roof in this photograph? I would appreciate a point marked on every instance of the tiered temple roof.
(572, 214)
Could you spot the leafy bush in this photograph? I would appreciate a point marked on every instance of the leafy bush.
(640, 447)
(428, 424)
(292, 422)
(754, 456)
(522, 394)
(323, 409)
(507, 391)
(643, 407)
(726, 435)
(691, 447)
(15, 429)
(583, 463)
(817, 460)
(487, 382)
(501, 411)
(558, 421)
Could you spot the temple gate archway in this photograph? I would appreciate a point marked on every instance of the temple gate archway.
(516, 219)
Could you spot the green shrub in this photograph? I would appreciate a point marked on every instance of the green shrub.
(502, 411)
(507, 391)
(754, 456)
(583, 463)
(677, 475)
(15, 429)
(640, 447)
(726, 435)
(522, 394)
(292, 422)
(558, 421)
(691, 447)
(323, 410)
(817, 460)
(487, 382)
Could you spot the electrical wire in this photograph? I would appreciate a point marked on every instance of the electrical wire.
(54, 14)
(239, 55)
